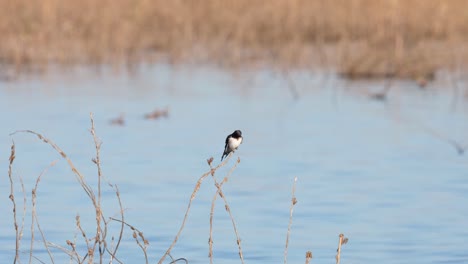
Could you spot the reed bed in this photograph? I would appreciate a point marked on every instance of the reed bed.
(357, 38)
(99, 244)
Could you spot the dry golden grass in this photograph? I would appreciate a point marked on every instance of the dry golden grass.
(356, 37)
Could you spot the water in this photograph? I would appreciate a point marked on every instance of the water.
(379, 172)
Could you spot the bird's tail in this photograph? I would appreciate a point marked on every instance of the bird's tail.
(224, 155)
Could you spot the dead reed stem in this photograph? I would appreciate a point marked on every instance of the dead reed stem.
(293, 202)
(308, 257)
(83, 234)
(97, 160)
(12, 198)
(137, 235)
(81, 179)
(179, 259)
(72, 254)
(33, 210)
(219, 192)
(119, 239)
(23, 216)
(192, 197)
(342, 240)
(46, 245)
(101, 223)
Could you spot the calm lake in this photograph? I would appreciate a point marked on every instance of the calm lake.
(380, 172)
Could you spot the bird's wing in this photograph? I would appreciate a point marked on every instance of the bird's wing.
(226, 146)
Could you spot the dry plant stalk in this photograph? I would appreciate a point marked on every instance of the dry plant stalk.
(308, 257)
(99, 240)
(119, 239)
(99, 216)
(139, 237)
(293, 202)
(24, 207)
(34, 215)
(46, 243)
(73, 252)
(12, 198)
(343, 240)
(192, 197)
(79, 176)
(70, 253)
(226, 206)
(83, 233)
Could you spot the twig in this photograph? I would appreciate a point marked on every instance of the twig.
(343, 240)
(117, 192)
(78, 175)
(136, 233)
(73, 251)
(100, 237)
(83, 234)
(24, 210)
(33, 213)
(43, 238)
(12, 198)
(99, 234)
(36, 258)
(179, 259)
(70, 253)
(293, 202)
(192, 197)
(308, 257)
(226, 205)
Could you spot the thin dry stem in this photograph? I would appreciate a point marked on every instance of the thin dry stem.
(12, 198)
(114, 252)
(21, 229)
(83, 234)
(342, 240)
(46, 245)
(79, 176)
(137, 235)
(74, 252)
(99, 233)
(33, 210)
(219, 192)
(192, 197)
(70, 253)
(101, 228)
(36, 258)
(293, 202)
(179, 259)
(308, 257)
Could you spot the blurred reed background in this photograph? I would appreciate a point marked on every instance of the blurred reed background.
(358, 38)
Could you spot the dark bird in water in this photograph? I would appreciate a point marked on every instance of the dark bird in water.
(158, 113)
(232, 143)
(118, 121)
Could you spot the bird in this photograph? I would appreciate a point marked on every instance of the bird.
(158, 113)
(118, 121)
(232, 143)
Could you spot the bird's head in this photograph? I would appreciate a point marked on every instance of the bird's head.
(237, 134)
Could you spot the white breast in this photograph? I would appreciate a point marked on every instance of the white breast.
(234, 143)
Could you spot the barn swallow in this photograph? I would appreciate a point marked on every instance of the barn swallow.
(232, 143)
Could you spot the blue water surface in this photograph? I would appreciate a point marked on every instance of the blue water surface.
(381, 173)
